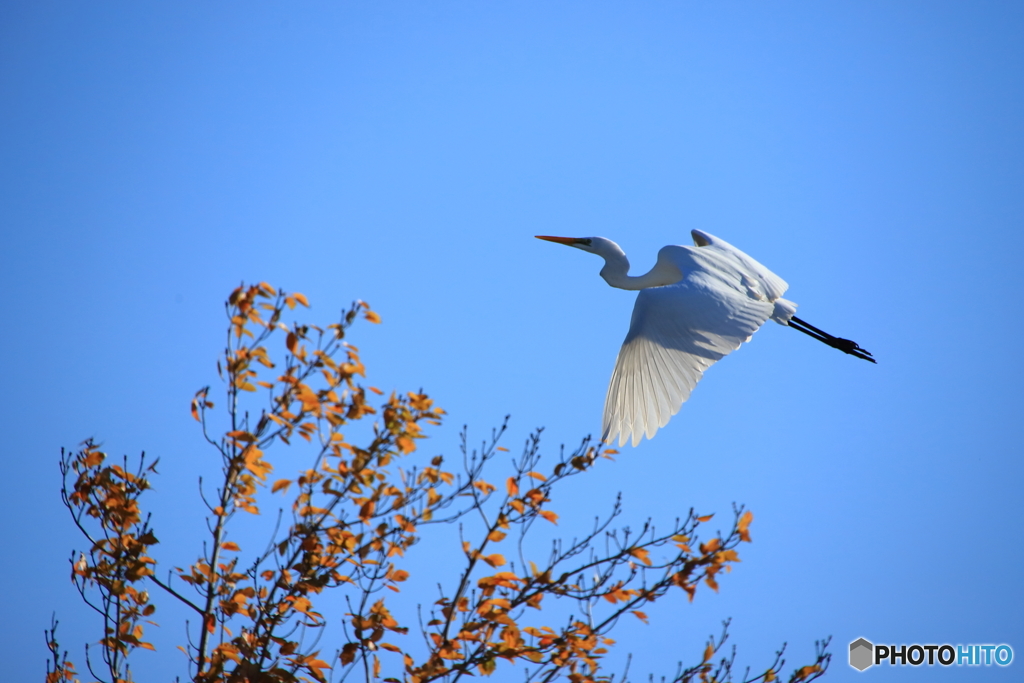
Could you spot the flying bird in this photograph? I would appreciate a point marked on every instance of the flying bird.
(695, 306)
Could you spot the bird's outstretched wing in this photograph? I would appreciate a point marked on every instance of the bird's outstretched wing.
(770, 285)
(676, 333)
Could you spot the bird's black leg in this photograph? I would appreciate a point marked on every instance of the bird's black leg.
(844, 345)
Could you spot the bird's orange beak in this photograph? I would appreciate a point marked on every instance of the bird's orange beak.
(568, 241)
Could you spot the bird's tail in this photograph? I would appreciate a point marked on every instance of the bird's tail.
(784, 311)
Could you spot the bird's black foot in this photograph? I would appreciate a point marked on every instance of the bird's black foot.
(845, 345)
(851, 347)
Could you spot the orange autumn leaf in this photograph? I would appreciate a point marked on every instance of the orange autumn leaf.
(640, 615)
(241, 435)
(315, 666)
(743, 525)
(302, 604)
(495, 560)
(280, 484)
(484, 487)
(642, 555)
(549, 515)
(710, 547)
(512, 487)
(372, 317)
(93, 458)
(727, 556)
(806, 671)
(301, 298)
(705, 518)
(230, 545)
(709, 652)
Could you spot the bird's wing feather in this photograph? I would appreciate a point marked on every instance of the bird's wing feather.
(676, 333)
(771, 284)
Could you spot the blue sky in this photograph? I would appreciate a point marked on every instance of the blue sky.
(870, 153)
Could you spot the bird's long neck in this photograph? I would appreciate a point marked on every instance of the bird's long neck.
(616, 269)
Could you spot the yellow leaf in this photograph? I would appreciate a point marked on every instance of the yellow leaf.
(710, 547)
(705, 518)
(769, 676)
(641, 554)
(301, 298)
(806, 671)
(483, 486)
(743, 526)
(537, 475)
(640, 615)
(372, 317)
(496, 536)
(280, 484)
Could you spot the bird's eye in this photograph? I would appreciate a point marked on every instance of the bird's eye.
(585, 241)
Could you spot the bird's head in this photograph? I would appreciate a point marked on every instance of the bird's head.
(595, 245)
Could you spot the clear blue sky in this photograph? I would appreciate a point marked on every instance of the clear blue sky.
(154, 155)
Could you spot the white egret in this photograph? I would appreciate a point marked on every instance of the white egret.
(695, 306)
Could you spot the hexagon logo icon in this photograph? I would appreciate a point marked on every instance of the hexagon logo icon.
(861, 654)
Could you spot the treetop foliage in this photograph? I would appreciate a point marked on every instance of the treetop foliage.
(349, 521)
